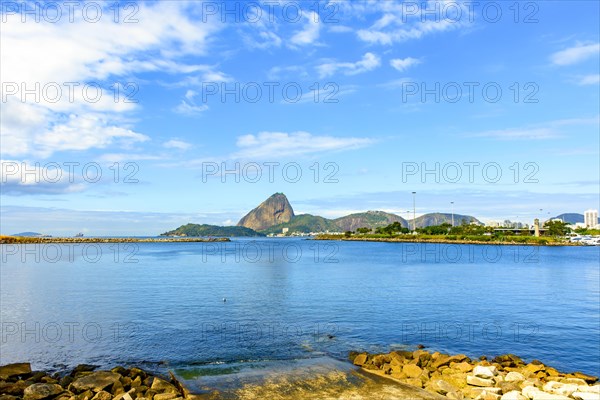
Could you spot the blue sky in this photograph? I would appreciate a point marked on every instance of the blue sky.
(501, 100)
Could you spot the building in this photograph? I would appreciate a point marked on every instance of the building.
(590, 218)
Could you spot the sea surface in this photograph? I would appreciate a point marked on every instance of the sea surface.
(238, 309)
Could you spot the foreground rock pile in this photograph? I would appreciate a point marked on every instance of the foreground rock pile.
(18, 381)
(458, 377)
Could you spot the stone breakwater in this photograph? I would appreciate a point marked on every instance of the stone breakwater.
(457, 377)
(18, 381)
(446, 241)
(42, 240)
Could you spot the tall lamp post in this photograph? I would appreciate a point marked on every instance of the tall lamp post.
(414, 213)
(452, 213)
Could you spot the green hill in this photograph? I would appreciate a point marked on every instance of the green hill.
(211, 230)
(440, 218)
(305, 223)
(369, 219)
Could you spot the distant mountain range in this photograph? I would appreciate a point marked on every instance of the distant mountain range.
(276, 213)
(572, 218)
(27, 234)
(444, 218)
(212, 230)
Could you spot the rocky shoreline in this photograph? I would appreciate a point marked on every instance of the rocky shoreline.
(421, 374)
(457, 377)
(18, 381)
(43, 240)
(443, 241)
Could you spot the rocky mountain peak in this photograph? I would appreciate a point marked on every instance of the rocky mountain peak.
(273, 211)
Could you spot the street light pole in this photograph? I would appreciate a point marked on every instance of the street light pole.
(452, 213)
(414, 213)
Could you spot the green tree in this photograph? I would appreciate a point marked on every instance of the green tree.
(556, 228)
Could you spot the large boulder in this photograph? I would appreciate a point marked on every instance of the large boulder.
(10, 370)
(162, 386)
(15, 389)
(360, 359)
(412, 371)
(565, 389)
(476, 381)
(442, 387)
(441, 361)
(39, 391)
(513, 395)
(514, 376)
(485, 372)
(95, 381)
(590, 389)
(462, 366)
(83, 368)
(585, 377)
(535, 367)
(585, 396)
(102, 395)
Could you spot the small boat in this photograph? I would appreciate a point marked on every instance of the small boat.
(79, 235)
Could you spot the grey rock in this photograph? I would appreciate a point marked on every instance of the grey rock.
(10, 370)
(96, 381)
(39, 391)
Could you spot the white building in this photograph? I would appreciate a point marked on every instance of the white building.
(590, 218)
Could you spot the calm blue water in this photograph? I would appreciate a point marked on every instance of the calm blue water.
(290, 299)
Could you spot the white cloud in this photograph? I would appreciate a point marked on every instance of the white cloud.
(541, 131)
(185, 108)
(576, 54)
(177, 144)
(593, 79)
(340, 29)
(188, 106)
(282, 144)
(127, 157)
(83, 53)
(519, 133)
(398, 23)
(368, 62)
(30, 134)
(310, 34)
(24, 177)
(295, 71)
(402, 64)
